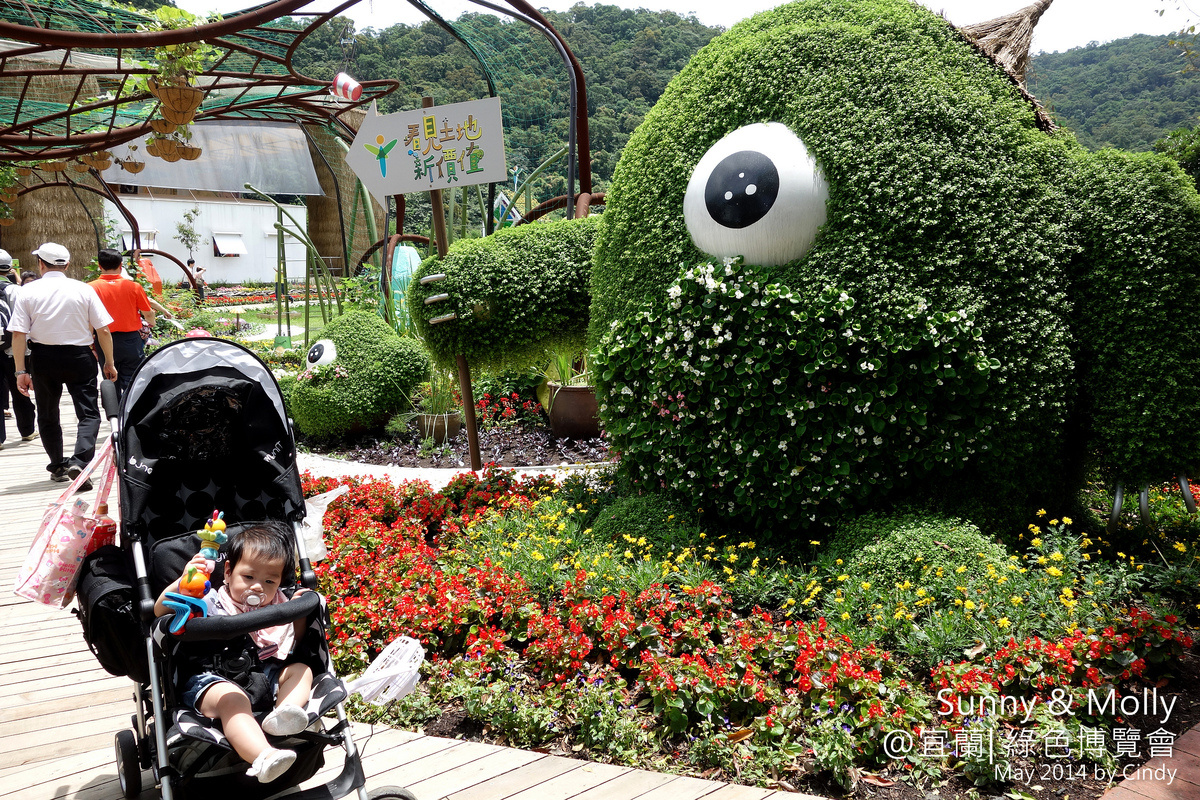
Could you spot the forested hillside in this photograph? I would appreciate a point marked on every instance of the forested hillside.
(1128, 93)
(627, 56)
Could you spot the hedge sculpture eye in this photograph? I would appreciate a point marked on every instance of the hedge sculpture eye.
(322, 352)
(757, 193)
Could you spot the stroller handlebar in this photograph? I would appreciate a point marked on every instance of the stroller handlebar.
(205, 629)
(110, 398)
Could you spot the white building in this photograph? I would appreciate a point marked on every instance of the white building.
(239, 238)
(239, 241)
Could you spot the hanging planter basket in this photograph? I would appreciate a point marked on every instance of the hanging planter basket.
(102, 165)
(6, 221)
(152, 150)
(189, 153)
(133, 166)
(80, 166)
(52, 166)
(8, 196)
(24, 172)
(171, 157)
(162, 126)
(180, 99)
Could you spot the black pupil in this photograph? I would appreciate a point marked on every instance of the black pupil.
(741, 189)
(315, 352)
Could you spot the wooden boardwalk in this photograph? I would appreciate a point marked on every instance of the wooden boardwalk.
(60, 710)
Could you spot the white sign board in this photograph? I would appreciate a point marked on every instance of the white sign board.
(442, 147)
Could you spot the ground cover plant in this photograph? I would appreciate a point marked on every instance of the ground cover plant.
(558, 617)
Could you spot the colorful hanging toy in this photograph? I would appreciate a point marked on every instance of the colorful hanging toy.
(188, 602)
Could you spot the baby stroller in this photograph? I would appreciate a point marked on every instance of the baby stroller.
(203, 427)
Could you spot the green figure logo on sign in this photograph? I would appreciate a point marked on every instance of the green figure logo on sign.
(381, 152)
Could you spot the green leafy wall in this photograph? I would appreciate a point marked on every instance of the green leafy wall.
(945, 197)
(517, 294)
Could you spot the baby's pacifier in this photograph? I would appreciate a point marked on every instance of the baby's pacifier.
(253, 599)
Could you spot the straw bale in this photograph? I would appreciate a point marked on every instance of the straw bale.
(49, 88)
(323, 222)
(55, 214)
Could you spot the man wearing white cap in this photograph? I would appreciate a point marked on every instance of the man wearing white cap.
(57, 315)
(22, 406)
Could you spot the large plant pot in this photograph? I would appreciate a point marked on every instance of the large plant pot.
(574, 412)
(439, 427)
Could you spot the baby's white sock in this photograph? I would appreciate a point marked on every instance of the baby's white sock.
(286, 720)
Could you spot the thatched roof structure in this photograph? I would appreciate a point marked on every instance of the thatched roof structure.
(1006, 42)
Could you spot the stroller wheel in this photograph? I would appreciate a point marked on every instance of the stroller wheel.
(391, 793)
(129, 768)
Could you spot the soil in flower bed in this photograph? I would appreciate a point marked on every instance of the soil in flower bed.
(517, 446)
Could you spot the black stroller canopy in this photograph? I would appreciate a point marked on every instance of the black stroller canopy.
(203, 427)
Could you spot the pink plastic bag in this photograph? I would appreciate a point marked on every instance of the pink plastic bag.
(52, 564)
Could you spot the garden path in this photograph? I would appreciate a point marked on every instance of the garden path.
(61, 710)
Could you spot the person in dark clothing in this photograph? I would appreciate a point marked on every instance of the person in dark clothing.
(22, 406)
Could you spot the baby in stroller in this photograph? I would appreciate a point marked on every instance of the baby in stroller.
(257, 560)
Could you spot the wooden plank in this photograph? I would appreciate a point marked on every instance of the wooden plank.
(52, 704)
(682, 788)
(484, 768)
(519, 779)
(589, 776)
(633, 783)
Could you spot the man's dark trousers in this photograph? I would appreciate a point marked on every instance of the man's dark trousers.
(128, 348)
(52, 367)
(22, 406)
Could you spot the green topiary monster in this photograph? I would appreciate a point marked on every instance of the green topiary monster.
(844, 260)
(359, 374)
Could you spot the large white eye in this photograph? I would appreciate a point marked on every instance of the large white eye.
(757, 193)
(322, 352)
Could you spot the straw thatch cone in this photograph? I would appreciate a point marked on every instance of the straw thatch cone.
(1006, 40)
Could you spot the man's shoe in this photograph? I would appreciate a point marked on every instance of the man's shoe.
(59, 476)
(30, 437)
(73, 471)
(86, 486)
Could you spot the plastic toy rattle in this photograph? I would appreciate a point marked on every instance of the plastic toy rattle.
(188, 602)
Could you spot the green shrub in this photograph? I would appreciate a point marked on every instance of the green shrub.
(959, 209)
(769, 403)
(371, 379)
(1136, 292)
(517, 294)
(886, 550)
(653, 519)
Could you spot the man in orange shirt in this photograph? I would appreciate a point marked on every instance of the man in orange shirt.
(127, 304)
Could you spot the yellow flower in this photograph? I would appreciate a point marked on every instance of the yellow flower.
(845, 615)
(1003, 622)
(1056, 556)
(1180, 546)
(1066, 520)
(843, 577)
(1055, 571)
(1034, 529)
(1053, 522)
(960, 570)
(1036, 542)
(1041, 512)
(1016, 600)
(866, 584)
(969, 605)
(838, 562)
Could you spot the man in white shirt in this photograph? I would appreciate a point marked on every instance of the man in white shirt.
(57, 315)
